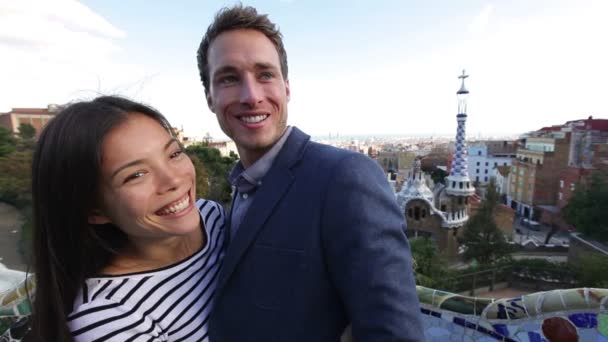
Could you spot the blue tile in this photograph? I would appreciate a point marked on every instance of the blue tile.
(584, 320)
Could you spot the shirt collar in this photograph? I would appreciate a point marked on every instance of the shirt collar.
(247, 179)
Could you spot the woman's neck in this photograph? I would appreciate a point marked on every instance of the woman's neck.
(149, 254)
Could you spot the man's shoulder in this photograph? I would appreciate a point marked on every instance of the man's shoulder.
(334, 154)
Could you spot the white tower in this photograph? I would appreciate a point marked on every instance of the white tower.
(458, 182)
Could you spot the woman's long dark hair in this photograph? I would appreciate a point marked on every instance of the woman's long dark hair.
(65, 189)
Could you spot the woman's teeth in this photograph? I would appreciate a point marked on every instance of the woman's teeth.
(254, 118)
(183, 204)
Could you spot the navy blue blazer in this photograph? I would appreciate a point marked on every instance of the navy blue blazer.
(323, 244)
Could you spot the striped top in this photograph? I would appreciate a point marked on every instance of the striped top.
(169, 304)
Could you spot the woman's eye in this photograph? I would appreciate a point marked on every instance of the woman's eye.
(177, 153)
(134, 176)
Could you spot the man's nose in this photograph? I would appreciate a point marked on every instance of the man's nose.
(251, 92)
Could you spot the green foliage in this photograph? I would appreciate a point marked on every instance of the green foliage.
(7, 142)
(15, 178)
(587, 209)
(202, 177)
(430, 268)
(26, 131)
(482, 238)
(217, 169)
(438, 175)
(592, 271)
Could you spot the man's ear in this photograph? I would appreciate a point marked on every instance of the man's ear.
(287, 91)
(97, 217)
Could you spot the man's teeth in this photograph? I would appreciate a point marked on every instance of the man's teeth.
(254, 118)
(176, 207)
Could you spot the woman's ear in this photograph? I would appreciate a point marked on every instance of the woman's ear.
(97, 217)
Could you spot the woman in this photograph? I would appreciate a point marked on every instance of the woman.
(122, 251)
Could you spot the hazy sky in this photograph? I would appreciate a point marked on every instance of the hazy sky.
(356, 67)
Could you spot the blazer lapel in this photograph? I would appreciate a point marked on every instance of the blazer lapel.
(277, 181)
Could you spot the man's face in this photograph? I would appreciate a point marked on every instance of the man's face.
(247, 91)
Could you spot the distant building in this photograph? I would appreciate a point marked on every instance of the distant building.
(550, 164)
(484, 156)
(588, 152)
(225, 147)
(500, 174)
(535, 172)
(37, 117)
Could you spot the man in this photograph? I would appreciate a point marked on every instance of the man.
(316, 239)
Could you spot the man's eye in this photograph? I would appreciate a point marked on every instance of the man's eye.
(267, 75)
(227, 80)
(133, 176)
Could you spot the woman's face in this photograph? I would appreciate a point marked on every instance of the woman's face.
(147, 182)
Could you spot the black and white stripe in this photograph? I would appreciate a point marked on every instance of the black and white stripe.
(168, 304)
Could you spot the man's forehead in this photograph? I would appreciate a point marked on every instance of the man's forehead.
(238, 47)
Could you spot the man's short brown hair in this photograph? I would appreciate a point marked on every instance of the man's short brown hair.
(234, 18)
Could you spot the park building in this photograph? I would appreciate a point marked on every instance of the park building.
(440, 213)
(37, 117)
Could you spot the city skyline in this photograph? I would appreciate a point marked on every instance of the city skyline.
(356, 69)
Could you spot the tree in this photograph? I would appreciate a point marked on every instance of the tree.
(587, 209)
(26, 131)
(217, 168)
(202, 177)
(7, 142)
(15, 178)
(430, 268)
(482, 238)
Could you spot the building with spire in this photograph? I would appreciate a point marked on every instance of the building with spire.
(441, 212)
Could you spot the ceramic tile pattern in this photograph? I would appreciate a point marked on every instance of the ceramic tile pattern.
(553, 316)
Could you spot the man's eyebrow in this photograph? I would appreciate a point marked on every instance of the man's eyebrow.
(139, 161)
(264, 66)
(224, 70)
(231, 69)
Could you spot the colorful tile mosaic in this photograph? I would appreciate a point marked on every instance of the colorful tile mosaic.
(553, 316)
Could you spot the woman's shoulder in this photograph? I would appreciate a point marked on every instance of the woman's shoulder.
(205, 206)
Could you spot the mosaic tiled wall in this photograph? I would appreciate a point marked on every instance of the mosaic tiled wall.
(14, 311)
(554, 316)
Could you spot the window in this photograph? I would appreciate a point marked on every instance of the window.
(486, 171)
(485, 179)
(443, 207)
(477, 178)
(460, 184)
(417, 213)
(561, 184)
(495, 164)
(477, 171)
(559, 196)
(572, 186)
(423, 213)
(478, 153)
(486, 163)
(477, 163)
(504, 164)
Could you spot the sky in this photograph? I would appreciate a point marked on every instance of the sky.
(355, 67)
